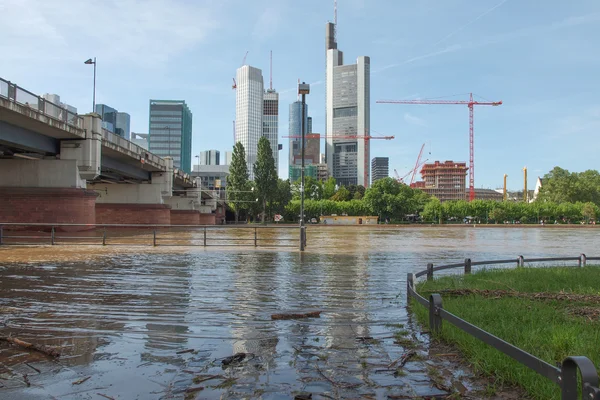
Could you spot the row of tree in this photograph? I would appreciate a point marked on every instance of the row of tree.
(565, 197)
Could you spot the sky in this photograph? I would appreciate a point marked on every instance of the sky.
(541, 58)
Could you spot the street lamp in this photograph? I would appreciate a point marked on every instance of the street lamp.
(198, 157)
(303, 89)
(88, 62)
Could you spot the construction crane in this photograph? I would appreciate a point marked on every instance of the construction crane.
(397, 176)
(414, 171)
(469, 103)
(234, 86)
(366, 138)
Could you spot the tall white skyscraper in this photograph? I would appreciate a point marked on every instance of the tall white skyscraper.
(348, 113)
(249, 106)
(271, 122)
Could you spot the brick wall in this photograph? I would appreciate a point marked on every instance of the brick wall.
(207, 219)
(185, 217)
(114, 213)
(48, 205)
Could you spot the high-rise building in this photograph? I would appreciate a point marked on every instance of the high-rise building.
(141, 139)
(58, 112)
(295, 129)
(249, 106)
(108, 115)
(380, 168)
(171, 131)
(347, 115)
(446, 181)
(210, 157)
(312, 142)
(271, 122)
(228, 156)
(309, 125)
(122, 128)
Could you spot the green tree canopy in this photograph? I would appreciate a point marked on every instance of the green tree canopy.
(265, 174)
(237, 181)
(329, 188)
(560, 186)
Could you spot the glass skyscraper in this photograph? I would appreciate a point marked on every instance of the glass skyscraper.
(271, 122)
(170, 131)
(347, 115)
(114, 121)
(122, 128)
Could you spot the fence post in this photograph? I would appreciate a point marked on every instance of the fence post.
(204, 236)
(582, 257)
(520, 261)
(1, 227)
(410, 283)
(154, 238)
(467, 266)
(104, 237)
(52, 236)
(430, 272)
(255, 239)
(589, 379)
(435, 320)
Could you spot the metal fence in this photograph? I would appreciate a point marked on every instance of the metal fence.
(565, 375)
(16, 234)
(24, 97)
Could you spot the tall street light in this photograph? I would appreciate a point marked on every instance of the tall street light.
(303, 89)
(198, 157)
(89, 61)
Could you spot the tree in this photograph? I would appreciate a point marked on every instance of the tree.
(433, 210)
(265, 174)
(342, 194)
(588, 211)
(329, 188)
(560, 186)
(237, 181)
(283, 195)
(381, 198)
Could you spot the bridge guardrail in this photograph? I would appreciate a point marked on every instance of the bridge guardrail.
(565, 375)
(24, 97)
(132, 147)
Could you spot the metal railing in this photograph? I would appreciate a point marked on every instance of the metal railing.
(24, 97)
(36, 234)
(128, 145)
(565, 375)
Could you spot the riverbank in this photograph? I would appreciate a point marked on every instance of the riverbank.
(551, 313)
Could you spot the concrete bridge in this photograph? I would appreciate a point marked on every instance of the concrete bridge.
(60, 167)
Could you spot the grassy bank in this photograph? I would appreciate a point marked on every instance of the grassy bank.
(562, 318)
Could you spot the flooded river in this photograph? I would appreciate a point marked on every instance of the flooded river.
(124, 316)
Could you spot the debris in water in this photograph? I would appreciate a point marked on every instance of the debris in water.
(404, 359)
(49, 351)
(234, 359)
(185, 351)
(312, 314)
(105, 396)
(303, 396)
(204, 378)
(33, 368)
(26, 379)
(80, 381)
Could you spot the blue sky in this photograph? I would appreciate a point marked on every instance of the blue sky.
(541, 58)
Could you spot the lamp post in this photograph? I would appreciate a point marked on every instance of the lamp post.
(303, 89)
(198, 157)
(88, 62)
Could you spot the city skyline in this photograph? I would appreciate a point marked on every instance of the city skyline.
(480, 48)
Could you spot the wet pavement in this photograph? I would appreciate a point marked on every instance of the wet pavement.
(157, 323)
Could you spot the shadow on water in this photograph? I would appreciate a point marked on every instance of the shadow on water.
(120, 316)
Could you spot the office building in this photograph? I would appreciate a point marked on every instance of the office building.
(171, 132)
(58, 111)
(309, 124)
(122, 128)
(295, 130)
(444, 180)
(249, 106)
(228, 156)
(322, 172)
(380, 168)
(347, 112)
(210, 157)
(141, 139)
(271, 122)
(213, 177)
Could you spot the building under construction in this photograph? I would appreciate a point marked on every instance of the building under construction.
(445, 180)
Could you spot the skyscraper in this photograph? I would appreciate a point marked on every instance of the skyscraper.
(108, 115)
(379, 168)
(295, 131)
(122, 128)
(171, 131)
(347, 114)
(249, 106)
(210, 157)
(271, 122)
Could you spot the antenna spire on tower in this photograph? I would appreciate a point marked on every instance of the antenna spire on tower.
(335, 21)
(271, 71)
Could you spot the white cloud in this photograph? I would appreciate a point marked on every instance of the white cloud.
(145, 32)
(413, 120)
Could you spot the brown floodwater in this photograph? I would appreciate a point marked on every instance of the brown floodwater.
(121, 314)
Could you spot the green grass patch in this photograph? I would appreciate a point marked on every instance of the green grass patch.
(549, 327)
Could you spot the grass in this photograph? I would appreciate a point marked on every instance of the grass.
(547, 328)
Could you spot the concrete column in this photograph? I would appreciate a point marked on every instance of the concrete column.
(87, 152)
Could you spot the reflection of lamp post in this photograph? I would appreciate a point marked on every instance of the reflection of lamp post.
(89, 61)
(303, 89)
(198, 157)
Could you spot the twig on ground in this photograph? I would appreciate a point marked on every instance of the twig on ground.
(334, 383)
(105, 396)
(47, 350)
(80, 381)
(184, 351)
(404, 359)
(312, 314)
(33, 368)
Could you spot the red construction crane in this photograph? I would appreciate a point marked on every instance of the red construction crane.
(414, 171)
(366, 138)
(469, 103)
